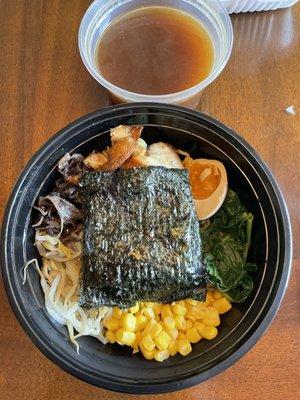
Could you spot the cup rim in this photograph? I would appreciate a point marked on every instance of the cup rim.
(165, 98)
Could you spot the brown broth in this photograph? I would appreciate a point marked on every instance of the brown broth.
(155, 51)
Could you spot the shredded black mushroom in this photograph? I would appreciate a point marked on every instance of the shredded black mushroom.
(57, 216)
(68, 191)
(59, 213)
(71, 165)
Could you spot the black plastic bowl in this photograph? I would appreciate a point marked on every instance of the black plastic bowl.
(114, 367)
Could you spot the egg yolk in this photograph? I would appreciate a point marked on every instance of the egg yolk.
(204, 178)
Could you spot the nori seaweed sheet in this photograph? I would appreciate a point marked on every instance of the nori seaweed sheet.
(141, 238)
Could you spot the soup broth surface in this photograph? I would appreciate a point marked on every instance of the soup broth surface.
(155, 51)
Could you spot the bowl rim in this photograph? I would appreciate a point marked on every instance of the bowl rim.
(259, 326)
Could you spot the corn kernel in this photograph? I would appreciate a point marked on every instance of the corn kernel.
(193, 335)
(166, 311)
(178, 309)
(189, 317)
(128, 322)
(112, 323)
(172, 348)
(148, 327)
(138, 337)
(180, 322)
(188, 306)
(217, 294)
(161, 355)
(139, 313)
(192, 302)
(207, 302)
(184, 346)
(119, 335)
(149, 312)
(155, 330)
(157, 308)
(222, 305)
(148, 304)
(169, 322)
(125, 337)
(128, 338)
(117, 313)
(188, 324)
(146, 343)
(211, 317)
(110, 336)
(199, 326)
(162, 341)
(134, 309)
(209, 332)
(209, 297)
(181, 335)
(195, 313)
(149, 355)
(173, 333)
(140, 323)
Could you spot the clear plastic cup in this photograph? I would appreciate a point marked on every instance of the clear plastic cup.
(210, 13)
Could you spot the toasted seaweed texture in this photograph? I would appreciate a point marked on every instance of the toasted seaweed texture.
(141, 238)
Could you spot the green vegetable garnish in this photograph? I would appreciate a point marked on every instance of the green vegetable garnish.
(226, 241)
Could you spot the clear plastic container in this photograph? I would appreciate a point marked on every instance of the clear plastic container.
(233, 6)
(210, 13)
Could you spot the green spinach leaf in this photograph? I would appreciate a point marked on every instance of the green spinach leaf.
(226, 241)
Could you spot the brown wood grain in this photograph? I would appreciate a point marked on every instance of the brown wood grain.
(44, 86)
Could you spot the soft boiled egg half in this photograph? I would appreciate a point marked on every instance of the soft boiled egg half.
(209, 184)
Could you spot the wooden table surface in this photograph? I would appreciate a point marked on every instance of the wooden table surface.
(44, 86)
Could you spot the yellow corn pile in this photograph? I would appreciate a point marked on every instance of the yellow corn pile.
(162, 330)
